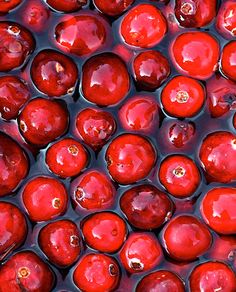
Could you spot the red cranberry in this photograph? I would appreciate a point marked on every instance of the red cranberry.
(146, 207)
(60, 241)
(217, 155)
(44, 198)
(185, 238)
(143, 26)
(179, 175)
(95, 127)
(113, 8)
(130, 154)
(228, 60)
(105, 232)
(105, 79)
(96, 273)
(66, 5)
(226, 19)
(54, 73)
(201, 51)
(16, 45)
(66, 158)
(141, 252)
(42, 121)
(7, 5)
(14, 164)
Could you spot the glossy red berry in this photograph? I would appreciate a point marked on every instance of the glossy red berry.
(146, 207)
(60, 241)
(226, 19)
(143, 26)
(7, 6)
(113, 8)
(105, 79)
(105, 231)
(66, 5)
(44, 198)
(130, 154)
(42, 121)
(228, 60)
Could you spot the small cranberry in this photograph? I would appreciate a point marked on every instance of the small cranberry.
(113, 8)
(44, 198)
(226, 19)
(228, 60)
(66, 5)
(7, 5)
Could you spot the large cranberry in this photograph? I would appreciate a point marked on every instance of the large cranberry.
(228, 60)
(226, 19)
(113, 8)
(7, 5)
(66, 5)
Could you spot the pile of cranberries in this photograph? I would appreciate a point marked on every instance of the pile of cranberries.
(118, 145)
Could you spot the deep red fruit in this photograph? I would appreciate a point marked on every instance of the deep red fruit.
(179, 175)
(60, 241)
(143, 26)
(130, 154)
(228, 60)
(42, 121)
(146, 207)
(226, 19)
(7, 6)
(212, 276)
(92, 191)
(53, 73)
(141, 252)
(200, 49)
(105, 232)
(13, 228)
(44, 198)
(105, 79)
(185, 238)
(66, 5)
(66, 157)
(96, 273)
(218, 209)
(25, 271)
(14, 164)
(113, 8)
(95, 127)
(218, 156)
(140, 113)
(16, 45)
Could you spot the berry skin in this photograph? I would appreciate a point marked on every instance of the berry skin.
(42, 121)
(130, 154)
(53, 73)
(146, 207)
(201, 51)
(14, 165)
(228, 60)
(47, 194)
(217, 155)
(60, 241)
(185, 238)
(66, 5)
(113, 8)
(7, 6)
(143, 26)
(105, 79)
(96, 273)
(179, 175)
(66, 157)
(226, 19)
(218, 209)
(105, 232)
(141, 252)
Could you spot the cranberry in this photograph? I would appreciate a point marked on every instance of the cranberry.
(60, 241)
(130, 154)
(44, 198)
(113, 8)
(226, 19)
(185, 238)
(228, 60)
(66, 5)
(66, 157)
(105, 232)
(141, 252)
(146, 207)
(42, 121)
(143, 26)
(201, 51)
(7, 5)
(105, 79)
(217, 155)
(96, 273)
(95, 127)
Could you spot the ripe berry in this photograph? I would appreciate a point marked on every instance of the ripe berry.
(143, 26)
(113, 8)
(60, 241)
(8, 5)
(228, 60)
(130, 154)
(66, 157)
(96, 273)
(105, 79)
(226, 19)
(141, 252)
(185, 238)
(146, 207)
(44, 198)
(66, 5)
(42, 121)
(201, 51)
(105, 232)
